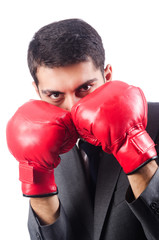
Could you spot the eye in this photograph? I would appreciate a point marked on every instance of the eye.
(54, 95)
(85, 88)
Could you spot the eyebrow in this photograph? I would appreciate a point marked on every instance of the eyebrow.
(50, 91)
(86, 83)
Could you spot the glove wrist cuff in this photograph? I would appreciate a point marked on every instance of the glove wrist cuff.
(136, 152)
(37, 182)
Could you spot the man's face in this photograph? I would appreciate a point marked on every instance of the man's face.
(64, 86)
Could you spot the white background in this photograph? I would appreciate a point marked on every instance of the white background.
(130, 32)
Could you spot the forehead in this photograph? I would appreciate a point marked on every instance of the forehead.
(68, 76)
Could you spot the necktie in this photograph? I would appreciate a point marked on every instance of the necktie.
(91, 162)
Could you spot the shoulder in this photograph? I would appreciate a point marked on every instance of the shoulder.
(153, 121)
(153, 117)
(153, 108)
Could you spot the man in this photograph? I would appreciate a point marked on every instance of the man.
(84, 197)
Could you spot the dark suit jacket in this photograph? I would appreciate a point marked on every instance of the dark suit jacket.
(115, 214)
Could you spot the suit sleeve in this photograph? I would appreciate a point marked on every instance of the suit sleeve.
(60, 230)
(146, 207)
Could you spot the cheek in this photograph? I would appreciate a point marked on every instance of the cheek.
(47, 99)
(44, 98)
(98, 84)
(101, 81)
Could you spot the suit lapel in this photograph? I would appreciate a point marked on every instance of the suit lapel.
(108, 173)
(74, 193)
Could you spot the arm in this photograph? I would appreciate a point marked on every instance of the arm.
(140, 180)
(116, 119)
(146, 207)
(36, 135)
(47, 209)
(60, 229)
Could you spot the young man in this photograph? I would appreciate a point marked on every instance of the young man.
(92, 194)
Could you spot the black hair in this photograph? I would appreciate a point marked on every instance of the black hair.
(64, 43)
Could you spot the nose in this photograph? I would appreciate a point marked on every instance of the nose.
(70, 101)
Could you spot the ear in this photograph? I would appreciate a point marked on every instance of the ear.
(108, 73)
(36, 89)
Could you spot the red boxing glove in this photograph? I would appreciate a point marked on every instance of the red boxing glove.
(36, 135)
(115, 117)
